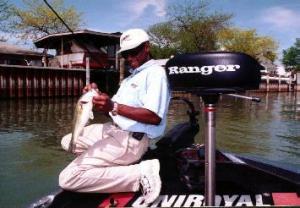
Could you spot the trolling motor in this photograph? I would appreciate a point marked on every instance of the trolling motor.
(209, 75)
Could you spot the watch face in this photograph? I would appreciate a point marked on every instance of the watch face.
(114, 111)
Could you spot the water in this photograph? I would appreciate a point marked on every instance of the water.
(30, 133)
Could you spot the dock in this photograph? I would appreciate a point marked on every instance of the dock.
(30, 81)
(279, 83)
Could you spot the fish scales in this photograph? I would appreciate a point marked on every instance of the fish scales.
(83, 113)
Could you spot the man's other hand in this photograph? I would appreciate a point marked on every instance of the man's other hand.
(103, 102)
(89, 87)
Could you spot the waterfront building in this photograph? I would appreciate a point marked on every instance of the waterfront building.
(82, 49)
(15, 55)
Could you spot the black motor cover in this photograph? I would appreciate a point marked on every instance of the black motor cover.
(213, 72)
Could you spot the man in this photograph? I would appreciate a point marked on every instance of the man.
(108, 153)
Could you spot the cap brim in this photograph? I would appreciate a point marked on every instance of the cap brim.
(129, 47)
(126, 48)
(121, 50)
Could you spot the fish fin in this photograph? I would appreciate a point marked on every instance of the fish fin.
(91, 115)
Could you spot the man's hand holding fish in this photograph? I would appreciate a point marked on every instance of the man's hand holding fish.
(103, 102)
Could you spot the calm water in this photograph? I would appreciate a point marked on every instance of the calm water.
(30, 132)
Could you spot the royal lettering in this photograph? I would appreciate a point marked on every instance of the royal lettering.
(244, 200)
(204, 70)
(194, 201)
(179, 201)
(228, 200)
(197, 200)
(164, 201)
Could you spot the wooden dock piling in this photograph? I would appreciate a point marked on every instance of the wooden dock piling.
(30, 82)
(25, 81)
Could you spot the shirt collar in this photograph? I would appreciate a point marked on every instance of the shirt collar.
(142, 67)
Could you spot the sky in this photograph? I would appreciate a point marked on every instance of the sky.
(279, 19)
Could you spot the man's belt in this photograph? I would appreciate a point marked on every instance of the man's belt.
(136, 135)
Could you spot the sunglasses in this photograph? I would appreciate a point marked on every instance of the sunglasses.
(132, 52)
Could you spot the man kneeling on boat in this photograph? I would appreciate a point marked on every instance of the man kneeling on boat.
(109, 152)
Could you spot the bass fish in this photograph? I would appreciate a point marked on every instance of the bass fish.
(83, 112)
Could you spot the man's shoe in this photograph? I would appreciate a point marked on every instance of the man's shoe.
(150, 180)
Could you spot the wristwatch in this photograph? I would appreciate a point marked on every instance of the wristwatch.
(114, 111)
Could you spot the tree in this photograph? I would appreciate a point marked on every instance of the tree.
(198, 29)
(5, 14)
(291, 56)
(37, 20)
(298, 55)
(189, 28)
(247, 41)
(163, 39)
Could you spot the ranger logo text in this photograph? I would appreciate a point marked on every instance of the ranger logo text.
(204, 70)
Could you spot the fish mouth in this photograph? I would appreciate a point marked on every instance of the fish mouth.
(81, 103)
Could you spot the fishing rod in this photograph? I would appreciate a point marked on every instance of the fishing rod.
(87, 69)
(87, 72)
(57, 15)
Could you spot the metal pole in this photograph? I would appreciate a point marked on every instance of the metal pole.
(62, 53)
(117, 60)
(210, 153)
(254, 99)
(122, 69)
(87, 71)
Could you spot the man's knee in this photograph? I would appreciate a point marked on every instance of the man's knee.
(69, 178)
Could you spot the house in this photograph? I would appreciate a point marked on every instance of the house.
(15, 55)
(82, 49)
(269, 66)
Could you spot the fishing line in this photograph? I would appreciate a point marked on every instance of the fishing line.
(93, 56)
(57, 15)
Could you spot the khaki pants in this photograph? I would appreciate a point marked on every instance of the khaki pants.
(104, 163)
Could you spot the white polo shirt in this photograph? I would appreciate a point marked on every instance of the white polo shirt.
(146, 87)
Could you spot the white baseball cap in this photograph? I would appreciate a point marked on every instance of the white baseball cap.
(132, 38)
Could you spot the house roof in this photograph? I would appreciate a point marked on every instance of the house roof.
(6, 48)
(53, 41)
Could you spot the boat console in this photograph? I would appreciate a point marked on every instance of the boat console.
(208, 75)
